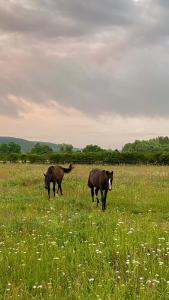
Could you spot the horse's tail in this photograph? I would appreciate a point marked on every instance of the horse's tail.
(69, 169)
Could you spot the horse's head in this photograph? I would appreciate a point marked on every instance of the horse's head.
(46, 182)
(109, 179)
(71, 167)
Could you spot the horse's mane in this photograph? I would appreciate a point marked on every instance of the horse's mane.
(50, 171)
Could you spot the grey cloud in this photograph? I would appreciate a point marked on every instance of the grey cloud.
(98, 12)
(8, 108)
(133, 80)
(66, 18)
(138, 87)
(20, 20)
(75, 18)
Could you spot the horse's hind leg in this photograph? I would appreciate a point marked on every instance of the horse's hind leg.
(60, 188)
(92, 193)
(96, 193)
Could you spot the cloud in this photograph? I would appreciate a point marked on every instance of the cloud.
(99, 57)
(50, 18)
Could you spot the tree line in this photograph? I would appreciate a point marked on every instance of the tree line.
(91, 154)
(159, 144)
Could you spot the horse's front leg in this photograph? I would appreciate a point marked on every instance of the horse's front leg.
(92, 193)
(96, 193)
(105, 196)
(54, 188)
(49, 191)
(101, 191)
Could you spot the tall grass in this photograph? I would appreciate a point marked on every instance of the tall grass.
(67, 248)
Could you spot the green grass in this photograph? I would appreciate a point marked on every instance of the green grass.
(67, 248)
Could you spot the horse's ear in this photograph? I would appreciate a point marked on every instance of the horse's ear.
(71, 166)
(112, 172)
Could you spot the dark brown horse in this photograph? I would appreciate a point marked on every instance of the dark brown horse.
(100, 180)
(55, 174)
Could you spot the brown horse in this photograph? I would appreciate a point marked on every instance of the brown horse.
(100, 180)
(55, 174)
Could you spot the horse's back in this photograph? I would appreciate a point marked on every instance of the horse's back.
(58, 172)
(94, 178)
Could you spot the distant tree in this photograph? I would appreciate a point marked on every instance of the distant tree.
(3, 148)
(65, 148)
(153, 145)
(10, 148)
(36, 158)
(23, 157)
(41, 149)
(13, 157)
(14, 148)
(92, 148)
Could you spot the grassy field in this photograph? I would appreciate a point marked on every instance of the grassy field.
(67, 248)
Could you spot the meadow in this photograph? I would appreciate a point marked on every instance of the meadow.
(67, 248)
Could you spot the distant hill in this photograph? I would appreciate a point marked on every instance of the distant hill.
(25, 144)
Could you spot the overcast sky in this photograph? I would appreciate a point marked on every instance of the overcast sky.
(84, 71)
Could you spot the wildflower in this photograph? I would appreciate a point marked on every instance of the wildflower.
(98, 251)
(148, 281)
(135, 262)
(91, 279)
(129, 232)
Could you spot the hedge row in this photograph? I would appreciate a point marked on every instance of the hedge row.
(103, 157)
